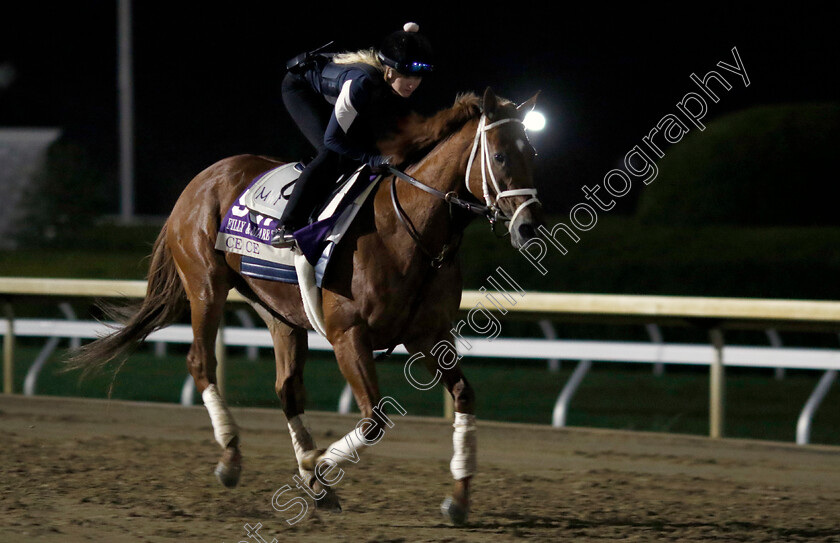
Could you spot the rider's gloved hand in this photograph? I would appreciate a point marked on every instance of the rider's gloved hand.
(379, 163)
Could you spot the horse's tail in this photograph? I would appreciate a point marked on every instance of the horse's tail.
(164, 303)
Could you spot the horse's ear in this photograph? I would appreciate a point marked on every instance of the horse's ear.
(490, 103)
(525, 107)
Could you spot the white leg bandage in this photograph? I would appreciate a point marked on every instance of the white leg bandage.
(224, 427)
(301, 440)
(347, 449)
(464, 444)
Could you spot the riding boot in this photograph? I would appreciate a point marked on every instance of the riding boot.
(308, 191)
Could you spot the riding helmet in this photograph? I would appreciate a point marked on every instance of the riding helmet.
(407, 51)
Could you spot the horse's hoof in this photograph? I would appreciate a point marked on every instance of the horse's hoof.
(229, 468)
(228, 475)
(329, 502)
(309, 459)
(455, 512)
(329, 499)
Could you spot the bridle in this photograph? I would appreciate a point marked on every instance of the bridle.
(490, 211)
(487, 168)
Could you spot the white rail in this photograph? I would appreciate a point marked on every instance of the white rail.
(712, 314)
(647, 308)
(534, 349)
(803, 425)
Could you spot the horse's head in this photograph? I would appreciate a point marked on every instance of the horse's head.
(500, 167)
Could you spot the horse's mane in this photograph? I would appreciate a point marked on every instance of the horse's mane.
(417, 134)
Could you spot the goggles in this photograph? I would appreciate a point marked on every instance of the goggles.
(414, 68)
(408, 68)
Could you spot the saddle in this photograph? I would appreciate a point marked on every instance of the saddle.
(248, 225)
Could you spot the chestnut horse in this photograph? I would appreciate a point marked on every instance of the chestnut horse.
(381, 290)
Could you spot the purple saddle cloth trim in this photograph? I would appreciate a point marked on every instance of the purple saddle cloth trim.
(312, 239)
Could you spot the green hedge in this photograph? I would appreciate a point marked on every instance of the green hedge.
(767, 165)
(619, 255)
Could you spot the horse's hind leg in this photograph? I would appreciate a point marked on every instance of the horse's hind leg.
(290, 350)
(207, 295)
(440, 358)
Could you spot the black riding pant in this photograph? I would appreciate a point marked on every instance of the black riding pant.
(311, 113)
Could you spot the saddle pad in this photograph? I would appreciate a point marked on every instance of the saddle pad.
(342, 222)
(270, 192)
(247, 232)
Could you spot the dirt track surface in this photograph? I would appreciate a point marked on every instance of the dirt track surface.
(93, 470)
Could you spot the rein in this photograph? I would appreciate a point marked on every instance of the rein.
(490, 211)
(450, 197)
(436, 260)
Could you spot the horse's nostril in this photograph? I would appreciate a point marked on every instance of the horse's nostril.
(527, 231)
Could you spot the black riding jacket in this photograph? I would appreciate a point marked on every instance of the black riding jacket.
(365, 107)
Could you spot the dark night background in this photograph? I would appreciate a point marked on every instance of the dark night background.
(207, 75)
(745, 209)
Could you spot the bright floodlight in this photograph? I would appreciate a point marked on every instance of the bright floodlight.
(534, 120)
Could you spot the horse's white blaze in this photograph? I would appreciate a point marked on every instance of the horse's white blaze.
(463, 463)
(224, 427)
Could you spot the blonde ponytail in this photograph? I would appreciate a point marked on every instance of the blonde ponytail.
(363, 56)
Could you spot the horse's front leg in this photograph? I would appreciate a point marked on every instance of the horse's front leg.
(290, 350)
(441, 359)
(355, 360)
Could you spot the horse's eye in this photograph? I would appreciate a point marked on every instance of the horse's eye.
(499, 158)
